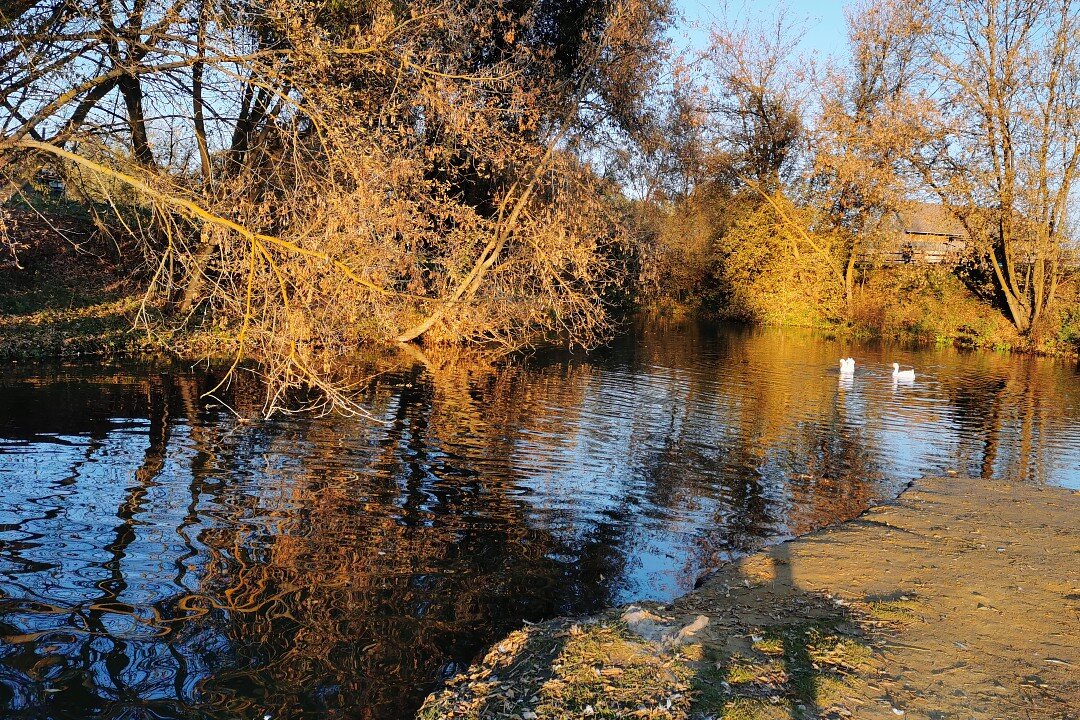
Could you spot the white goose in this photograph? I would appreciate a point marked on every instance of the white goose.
(847, 365)
(899, 374)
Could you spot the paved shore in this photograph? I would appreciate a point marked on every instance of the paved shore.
(961, 599)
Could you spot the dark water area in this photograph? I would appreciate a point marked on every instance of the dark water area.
(161, 559)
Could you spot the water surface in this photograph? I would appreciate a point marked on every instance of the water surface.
(158, 558)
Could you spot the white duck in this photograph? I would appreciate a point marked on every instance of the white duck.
(899, 374)
(847, 365)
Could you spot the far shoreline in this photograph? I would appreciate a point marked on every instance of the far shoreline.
(109, 329)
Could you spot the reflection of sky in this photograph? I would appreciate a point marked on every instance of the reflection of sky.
(640, 429)
(86, 584)
(597, 471)
(614, 478)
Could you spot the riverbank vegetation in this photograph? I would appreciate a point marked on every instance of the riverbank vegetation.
(893, 196)
(284, 182)
(315, 175)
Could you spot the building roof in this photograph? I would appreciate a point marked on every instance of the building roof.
(923, 218)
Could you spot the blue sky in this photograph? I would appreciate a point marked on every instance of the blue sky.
(826, 28)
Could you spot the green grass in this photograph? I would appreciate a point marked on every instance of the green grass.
(42, 200)
(102, 328)
(45, 294)
(742, 708)
(741, 670)
(605, 672)
(769, 645)
(795, 670)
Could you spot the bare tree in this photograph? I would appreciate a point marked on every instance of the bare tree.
(312, 176)
(756, 102)
(999, 99)
(865, 127)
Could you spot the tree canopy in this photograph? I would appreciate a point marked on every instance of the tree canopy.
(317, 174)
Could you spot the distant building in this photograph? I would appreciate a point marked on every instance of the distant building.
(925, 233)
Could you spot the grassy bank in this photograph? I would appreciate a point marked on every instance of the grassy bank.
(67, 291)
(909, 304)
(62, 292)
(931, 304)
(958, 600)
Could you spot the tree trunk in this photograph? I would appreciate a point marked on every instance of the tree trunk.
(1004, 276)
(849, 273)
(197, 275)
(197, 109)
(131, 90)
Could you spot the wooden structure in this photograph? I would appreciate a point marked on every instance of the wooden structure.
(925, 233)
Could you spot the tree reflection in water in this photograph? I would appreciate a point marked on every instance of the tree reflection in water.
(160, 559)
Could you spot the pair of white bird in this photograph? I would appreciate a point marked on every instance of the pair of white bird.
(847, 366)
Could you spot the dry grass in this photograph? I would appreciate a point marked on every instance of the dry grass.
(559, 671)
(794, 670)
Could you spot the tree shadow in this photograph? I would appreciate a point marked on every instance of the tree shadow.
(770, 650)
(781, 652)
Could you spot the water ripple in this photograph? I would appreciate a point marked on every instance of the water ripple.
(159, 559)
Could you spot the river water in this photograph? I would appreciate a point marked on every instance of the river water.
(160, 558)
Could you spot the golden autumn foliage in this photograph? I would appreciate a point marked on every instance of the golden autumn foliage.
(299, 178)
(311, 176)
(795, 199)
